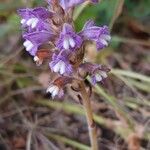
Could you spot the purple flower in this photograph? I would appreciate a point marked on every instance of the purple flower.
(100, 35)
(97, 72)
(35, 39)
(55, 91)
(68, 39)
(98, 76)
(57, 86)
(35, 18)
(66, 4)
(60, 63)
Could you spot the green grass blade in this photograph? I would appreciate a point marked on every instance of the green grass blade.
(68, 141)
(130, 74)
(112, 101)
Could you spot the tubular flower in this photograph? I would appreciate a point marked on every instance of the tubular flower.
(35, 18)
(98, 75)
(55, 91)
(100, 35)
(34, 39)
(56, 87)
(68, 39)
(60, 63)
(49, 34)
(97, 72)
(66, 4)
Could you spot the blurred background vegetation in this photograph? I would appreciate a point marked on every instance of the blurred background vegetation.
(121, 105)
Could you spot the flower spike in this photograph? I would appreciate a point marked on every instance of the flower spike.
(49, 34)
(54, 27)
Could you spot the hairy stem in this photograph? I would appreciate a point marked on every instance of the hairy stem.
(89, 117)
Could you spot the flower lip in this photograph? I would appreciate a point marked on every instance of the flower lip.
(54, 90)
(32, 22)
(68, 42)
(68, 39)
(60, 67)
(57, 87)
(99, 73)
(28, 44)
(98, 77)
(60, 63)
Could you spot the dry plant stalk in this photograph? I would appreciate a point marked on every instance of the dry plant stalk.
(89, 116)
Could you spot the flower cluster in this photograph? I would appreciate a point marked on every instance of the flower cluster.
(49, 34)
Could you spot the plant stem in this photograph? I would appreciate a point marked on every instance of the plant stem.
(89, 117)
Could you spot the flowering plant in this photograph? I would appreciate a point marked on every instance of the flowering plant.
(49, 34)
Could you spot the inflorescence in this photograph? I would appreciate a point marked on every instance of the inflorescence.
(49, 34)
